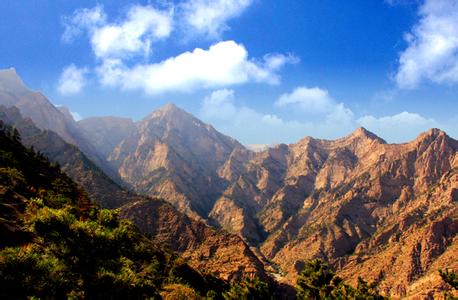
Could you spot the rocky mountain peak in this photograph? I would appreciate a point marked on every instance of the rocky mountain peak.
(363, 133)
(169, 110)
(11, 82)
(431, 134)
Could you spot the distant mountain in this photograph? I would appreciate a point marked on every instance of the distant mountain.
(105, 133)
(73, 162)
(46, 116)
(175, 156)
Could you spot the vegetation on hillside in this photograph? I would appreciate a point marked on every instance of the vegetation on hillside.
(318, 281)
(55, 244)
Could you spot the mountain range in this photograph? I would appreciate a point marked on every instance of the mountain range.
(386, 212)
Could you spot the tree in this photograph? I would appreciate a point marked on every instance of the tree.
(450, 277)
(318, 281)
(315, 281)
(249, 289)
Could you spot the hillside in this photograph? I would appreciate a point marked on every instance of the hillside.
(158, 213)
(56, 244)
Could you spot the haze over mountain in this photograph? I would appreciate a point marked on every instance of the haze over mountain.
(45, 115)
(385, 211)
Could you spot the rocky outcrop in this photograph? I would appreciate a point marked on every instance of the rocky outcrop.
(338, 200)
(204, 248)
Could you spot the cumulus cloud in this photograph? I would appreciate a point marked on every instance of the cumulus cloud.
(223, 64)
(131, 35)
(209, 17)
(71, 80)
(398, 128)
(432, 52)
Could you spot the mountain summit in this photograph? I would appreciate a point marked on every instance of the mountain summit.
(10, 82)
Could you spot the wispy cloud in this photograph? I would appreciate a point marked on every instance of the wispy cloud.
(71, 80)
(432, 52)
(252, 126)
(210, 17)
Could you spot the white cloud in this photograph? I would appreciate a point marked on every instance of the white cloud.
(223, 64)
(331, 120)
(209, 17)
(85, 19)
(313, 100)
(132, 35)
(219, 104)
(316, 102)
(71, 80)
(76, 116)
(116, 45)
(398, 128)
(432, 52)
(251, 126)
(275, 61)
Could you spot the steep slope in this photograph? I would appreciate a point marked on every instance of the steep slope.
(213, 251)
(315, 198)
(46, 116)
(72, 161)
(175, 156)
(327, 199)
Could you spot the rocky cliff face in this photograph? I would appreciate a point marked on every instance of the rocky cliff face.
(173, 155)
(342, 201)
(203, 247)
(212, 251)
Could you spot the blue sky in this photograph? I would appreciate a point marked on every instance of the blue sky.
(262, 71)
